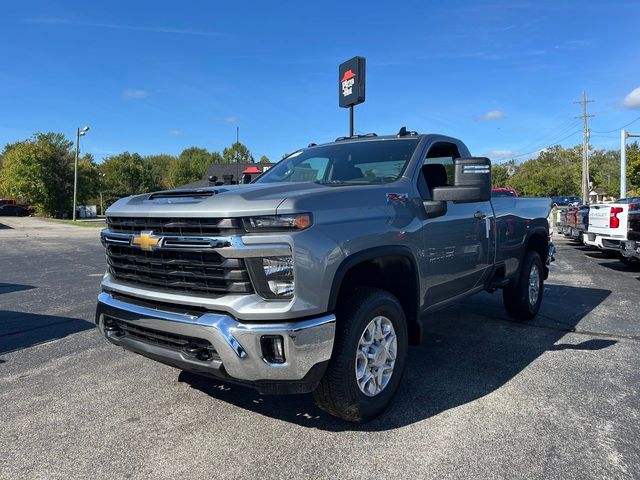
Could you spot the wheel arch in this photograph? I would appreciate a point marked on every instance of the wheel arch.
(402, 279)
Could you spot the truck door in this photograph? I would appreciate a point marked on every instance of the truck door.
(456, 245)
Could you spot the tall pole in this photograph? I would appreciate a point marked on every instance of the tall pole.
(623, 160)
(585, 147)
(623, 163)
(235, 151)
(75, 174)
(351, 121)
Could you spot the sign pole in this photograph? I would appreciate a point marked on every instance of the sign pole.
(351, 121)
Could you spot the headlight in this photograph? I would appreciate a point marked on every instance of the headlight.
(272, 276)
(299, 221)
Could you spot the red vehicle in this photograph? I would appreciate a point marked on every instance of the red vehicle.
(503, 192)
(7, 201)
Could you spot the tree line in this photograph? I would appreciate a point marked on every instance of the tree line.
(40, 171)
(557, 171)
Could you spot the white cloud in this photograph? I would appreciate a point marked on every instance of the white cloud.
(493, 115)
(573, 44)
(633, 99)
(501, 154)
(138, 28)
(135, 94)
(231, 119)
(176, 133)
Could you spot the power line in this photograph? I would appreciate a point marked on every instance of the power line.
(548, 146)
(618, 129)
(550, 134)
(554, 140)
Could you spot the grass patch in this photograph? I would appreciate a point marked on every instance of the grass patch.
(78, 223)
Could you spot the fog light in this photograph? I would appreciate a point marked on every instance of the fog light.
(272, 276)
(272, 348)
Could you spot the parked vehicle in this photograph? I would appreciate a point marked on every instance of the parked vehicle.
(608, 223)
(576, 221)
(11, 210)
(562, 222)
(565, 201)
(630, 248)
(503, 192)
(315, 277)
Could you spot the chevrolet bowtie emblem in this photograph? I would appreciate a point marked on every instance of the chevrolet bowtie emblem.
(146, 240)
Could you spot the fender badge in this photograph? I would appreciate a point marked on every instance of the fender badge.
(397, 198)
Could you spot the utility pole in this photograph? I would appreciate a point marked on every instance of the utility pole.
(235, 151)
(585, 147)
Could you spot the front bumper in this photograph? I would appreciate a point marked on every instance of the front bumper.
(238, 352)
(630, 249)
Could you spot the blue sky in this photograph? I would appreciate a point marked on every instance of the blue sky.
(159, 76)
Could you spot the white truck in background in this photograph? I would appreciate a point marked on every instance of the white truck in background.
(608, 225)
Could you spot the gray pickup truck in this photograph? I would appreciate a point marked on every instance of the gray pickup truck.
(316, 276)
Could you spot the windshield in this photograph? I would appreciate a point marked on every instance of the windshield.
(366, 162)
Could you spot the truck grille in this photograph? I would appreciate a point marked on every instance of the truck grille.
(200, 272)
(177, 226)
(196, 347)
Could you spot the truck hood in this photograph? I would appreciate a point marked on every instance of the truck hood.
(222, 201)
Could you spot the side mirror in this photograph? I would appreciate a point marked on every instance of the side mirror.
(472, 182)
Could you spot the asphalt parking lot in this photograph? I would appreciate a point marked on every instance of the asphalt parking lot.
(483, 396)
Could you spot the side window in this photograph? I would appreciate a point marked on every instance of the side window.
(438, 168)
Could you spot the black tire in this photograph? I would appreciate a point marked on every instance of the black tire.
(629, 261)
(516, 295)
(338, 392)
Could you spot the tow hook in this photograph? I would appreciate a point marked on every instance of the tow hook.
(195, 351)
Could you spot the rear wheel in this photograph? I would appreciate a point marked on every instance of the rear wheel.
(522, 299)
(368, 358)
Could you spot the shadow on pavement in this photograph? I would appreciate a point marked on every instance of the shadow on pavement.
(13, 287)
(596, 344)
(5, 227)
(620, 267)
(470, 350)
(21, 330)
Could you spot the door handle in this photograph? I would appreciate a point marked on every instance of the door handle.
(480, 215)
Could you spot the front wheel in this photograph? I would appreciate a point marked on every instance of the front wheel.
(368, 358)
(522, 299)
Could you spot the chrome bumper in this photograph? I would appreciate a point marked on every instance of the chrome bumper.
(306, 343)
(551, 254)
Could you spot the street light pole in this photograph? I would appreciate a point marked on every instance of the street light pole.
(79, 133)
(102, 175)
(623, 160)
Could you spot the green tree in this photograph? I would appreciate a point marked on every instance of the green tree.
(604, 171)
(191, 165)
(156, 172)
(237, 153)
(264, 159)
(501, 173)
(123, 176)
(555, 171)
(88, 181)
(633, 169)
(40, 171)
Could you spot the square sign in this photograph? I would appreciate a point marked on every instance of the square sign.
(351, 82)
